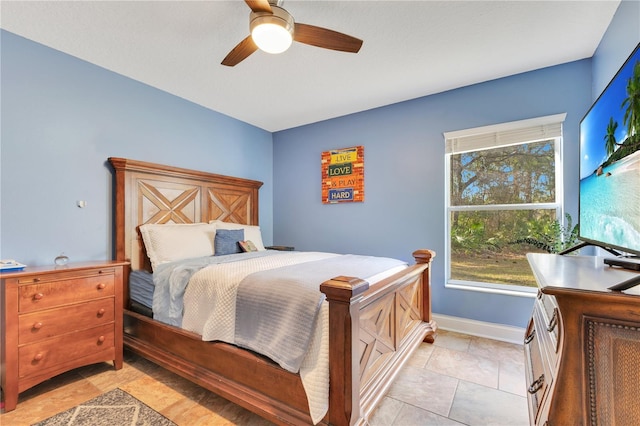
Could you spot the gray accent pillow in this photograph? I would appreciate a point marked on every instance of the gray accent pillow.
(226, 241)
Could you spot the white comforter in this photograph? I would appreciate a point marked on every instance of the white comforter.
(210, 302)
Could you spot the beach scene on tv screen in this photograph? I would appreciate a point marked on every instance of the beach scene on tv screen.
(610, 162)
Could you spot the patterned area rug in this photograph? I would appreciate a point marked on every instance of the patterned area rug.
(114, 408)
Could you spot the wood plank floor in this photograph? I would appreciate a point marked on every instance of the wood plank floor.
(459, 380)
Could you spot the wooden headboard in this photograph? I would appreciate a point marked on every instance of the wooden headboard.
(153, 193)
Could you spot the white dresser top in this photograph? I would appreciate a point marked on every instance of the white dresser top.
(581, 273)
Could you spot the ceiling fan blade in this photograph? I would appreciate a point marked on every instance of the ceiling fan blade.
(239, 53)
(328, 39)
(259, 5)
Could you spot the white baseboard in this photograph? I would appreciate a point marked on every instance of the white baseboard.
(505, 333)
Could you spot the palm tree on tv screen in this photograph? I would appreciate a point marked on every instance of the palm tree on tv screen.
(631, 118)
(632, 102)
(610, 137)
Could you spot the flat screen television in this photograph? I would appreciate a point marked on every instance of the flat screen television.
(609, 209)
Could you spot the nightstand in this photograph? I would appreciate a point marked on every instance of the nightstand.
(55, 319)
(280, 248)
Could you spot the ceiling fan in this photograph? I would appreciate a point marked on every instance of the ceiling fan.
(271, 23)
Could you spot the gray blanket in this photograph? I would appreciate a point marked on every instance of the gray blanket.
(171, 279)
(277, 310)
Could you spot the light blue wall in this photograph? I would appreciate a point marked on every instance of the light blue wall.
(621, 38)
(63, 117)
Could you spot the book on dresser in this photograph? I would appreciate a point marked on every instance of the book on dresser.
(7, 265)
(582, 343)
(54, 319)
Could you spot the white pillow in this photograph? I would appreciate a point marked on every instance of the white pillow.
(170, 242)
(251, 232)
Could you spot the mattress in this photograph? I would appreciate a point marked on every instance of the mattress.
(141, 288)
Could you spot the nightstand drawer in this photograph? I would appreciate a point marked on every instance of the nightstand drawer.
(56, 293)
(40, 325)
(36, 357)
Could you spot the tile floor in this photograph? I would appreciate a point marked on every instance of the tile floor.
(459, 380)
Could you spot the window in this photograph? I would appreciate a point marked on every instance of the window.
(504, 199)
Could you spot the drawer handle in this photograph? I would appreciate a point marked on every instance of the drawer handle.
(553, 321)
(37, 326)
(38, 296)
(38, 357)
(100, 340)
(101, 312)
(102, 286)
(530, 337)
(535, 386)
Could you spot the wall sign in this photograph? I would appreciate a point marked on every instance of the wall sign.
(343, 175)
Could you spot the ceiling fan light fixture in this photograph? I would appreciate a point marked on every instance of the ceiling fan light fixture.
(271, 38)
(272, 33)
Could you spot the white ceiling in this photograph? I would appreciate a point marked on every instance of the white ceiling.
(411, 49)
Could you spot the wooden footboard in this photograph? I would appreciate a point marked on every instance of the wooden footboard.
(372, 332)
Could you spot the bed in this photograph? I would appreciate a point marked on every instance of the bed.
(373, 329)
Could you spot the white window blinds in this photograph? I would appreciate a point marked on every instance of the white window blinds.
(513, 133)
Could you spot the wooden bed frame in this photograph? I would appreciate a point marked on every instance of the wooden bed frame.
(373, 329)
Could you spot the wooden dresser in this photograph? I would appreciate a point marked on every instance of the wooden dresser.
(55, 319)
(582, 344)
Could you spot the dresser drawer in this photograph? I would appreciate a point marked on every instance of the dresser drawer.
(546, 330)
(48, 323)
(45, 295)
(551, 317)
(538, 374)
(38, 356)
